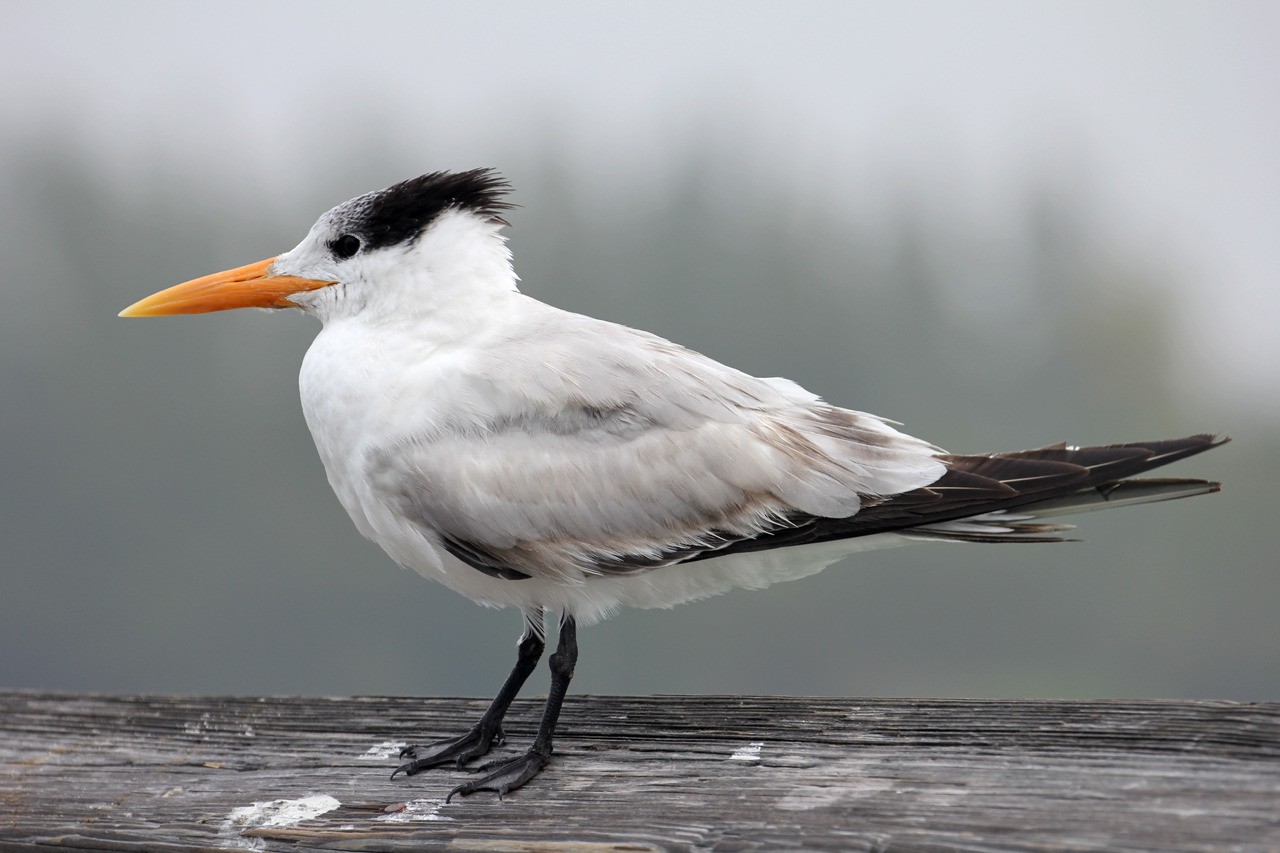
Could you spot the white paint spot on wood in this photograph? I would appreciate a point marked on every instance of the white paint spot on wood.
(750, 752)
(275, 813)
(198, 728)
(383, 751)
(416, 810)
(205, 725)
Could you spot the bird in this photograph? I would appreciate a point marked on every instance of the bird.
(530, 457)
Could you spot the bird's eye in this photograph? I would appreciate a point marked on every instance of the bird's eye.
(345, 246)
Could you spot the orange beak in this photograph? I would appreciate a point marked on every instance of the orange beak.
(252, 286)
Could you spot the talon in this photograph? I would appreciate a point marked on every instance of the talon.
(458, 750)
(508, 774)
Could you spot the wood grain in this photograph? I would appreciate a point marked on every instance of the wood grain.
(718, 773)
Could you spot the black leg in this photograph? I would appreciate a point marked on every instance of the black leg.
(487, 733)
(511, 774)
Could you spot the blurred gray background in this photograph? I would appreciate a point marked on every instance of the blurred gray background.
(1004, 224)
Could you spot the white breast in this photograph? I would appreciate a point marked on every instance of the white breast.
(430, 400)
(364, 389)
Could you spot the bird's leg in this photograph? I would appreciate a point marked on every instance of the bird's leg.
(507, 775)
(487, 733)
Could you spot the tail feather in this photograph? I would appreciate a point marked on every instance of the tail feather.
(1123, 493)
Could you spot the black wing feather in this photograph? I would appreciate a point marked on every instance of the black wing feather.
(974, 485)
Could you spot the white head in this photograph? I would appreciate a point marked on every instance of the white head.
(420, 244)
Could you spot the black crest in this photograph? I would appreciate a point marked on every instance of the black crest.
(399, 213)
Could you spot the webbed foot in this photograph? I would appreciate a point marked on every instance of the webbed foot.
(456, 750)
(507, 774)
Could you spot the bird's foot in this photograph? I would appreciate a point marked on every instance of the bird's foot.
(458, 750)
(508, 774)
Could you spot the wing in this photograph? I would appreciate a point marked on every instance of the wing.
(590, 448)
(999, 497)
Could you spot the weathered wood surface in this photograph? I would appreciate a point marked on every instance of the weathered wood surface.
(635, 774)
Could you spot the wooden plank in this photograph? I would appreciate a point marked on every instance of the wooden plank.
(130, 773)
